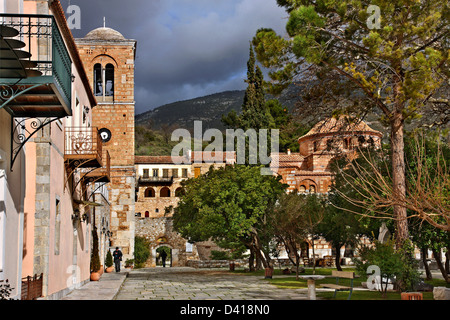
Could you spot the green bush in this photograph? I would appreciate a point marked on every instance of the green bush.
(95, 257)
(141, 251)
(219, 255)
(395, 265)
(109, 259)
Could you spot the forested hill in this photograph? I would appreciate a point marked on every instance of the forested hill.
(208, 109)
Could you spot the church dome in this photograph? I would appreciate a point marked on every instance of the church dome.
(340, 125)
(105, 34)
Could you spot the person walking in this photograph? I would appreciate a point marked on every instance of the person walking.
(117, 254)
(163, 258)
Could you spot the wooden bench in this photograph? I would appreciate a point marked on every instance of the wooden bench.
(337, 287)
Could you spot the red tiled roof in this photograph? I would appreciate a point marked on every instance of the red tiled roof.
(158, 159)
(341, 124)
(203, 156)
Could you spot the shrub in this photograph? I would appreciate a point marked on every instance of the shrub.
(95, 258)
(141, 251)
(219, 255)
(109, 259)
(394, 265)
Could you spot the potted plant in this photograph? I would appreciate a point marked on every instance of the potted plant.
(129, 263)
(109, 262)
(95, 258)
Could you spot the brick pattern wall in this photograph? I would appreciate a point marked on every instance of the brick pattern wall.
(116, 114)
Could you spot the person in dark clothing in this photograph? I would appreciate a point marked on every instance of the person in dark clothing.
(163, 258)
(117, 254)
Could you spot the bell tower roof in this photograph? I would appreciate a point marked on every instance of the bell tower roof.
(104, 34)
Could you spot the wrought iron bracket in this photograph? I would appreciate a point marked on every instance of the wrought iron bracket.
(21, 133)
(8, 93)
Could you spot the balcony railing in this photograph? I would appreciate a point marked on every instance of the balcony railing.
(32, 287)
(49, 56)
(83, 147)
(155, 180)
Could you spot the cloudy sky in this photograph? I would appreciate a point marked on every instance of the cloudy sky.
(186, 48)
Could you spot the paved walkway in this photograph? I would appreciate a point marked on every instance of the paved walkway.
(201, 284)
(182, 284)
(105, 289)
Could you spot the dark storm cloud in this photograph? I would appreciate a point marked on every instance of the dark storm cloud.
(186, 48)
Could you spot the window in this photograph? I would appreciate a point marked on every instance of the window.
(165, 192)
(197, 171)
(147, 214)
(149, 193)
(165, 173)
(329, 144)
(185, 173)
(109, 80)
(98, 82)
(312, 189)
(179, 192)
(361, 140)
(146, 173)
(316, 146)
(175, 173)
(155, 172)
(302, 189)
(104, 80)
(157, 210)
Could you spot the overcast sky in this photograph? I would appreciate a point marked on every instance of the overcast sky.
(186, 48)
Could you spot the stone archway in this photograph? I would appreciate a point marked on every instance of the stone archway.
(161, 243)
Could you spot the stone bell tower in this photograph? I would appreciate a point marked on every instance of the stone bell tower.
(109, 62)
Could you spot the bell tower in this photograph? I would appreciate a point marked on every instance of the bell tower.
(109, 62)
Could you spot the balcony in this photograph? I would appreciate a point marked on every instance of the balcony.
(83, 148)
(102, 174)
(35, 67)
(147, 180)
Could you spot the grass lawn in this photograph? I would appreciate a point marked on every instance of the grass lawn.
(290, 282)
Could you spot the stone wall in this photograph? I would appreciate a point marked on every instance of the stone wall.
(215, 263)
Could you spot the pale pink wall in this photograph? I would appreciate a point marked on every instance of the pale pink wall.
(29, 210)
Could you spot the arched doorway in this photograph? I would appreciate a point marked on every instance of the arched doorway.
(163, 256)
(171, 260)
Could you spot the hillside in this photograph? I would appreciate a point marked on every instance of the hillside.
(208, 109)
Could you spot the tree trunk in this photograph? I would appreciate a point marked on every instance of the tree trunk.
(338, 257)
(447, 261)
(314, 256)
(398, 177)
(437, 257)
(425, 264)
(251, 259)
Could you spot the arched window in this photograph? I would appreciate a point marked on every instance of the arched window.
(165, 192)
(149, 193)
(147, 214)
(109, 80)
(312, 189)
(361, 141)
(179, 192)
(330, 144)
(98, 81)
(302, 189)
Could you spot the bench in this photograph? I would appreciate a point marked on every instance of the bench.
(337, 287)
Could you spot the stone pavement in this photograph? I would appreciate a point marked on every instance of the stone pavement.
(105, 289)
(185, 283)
(182, 283)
